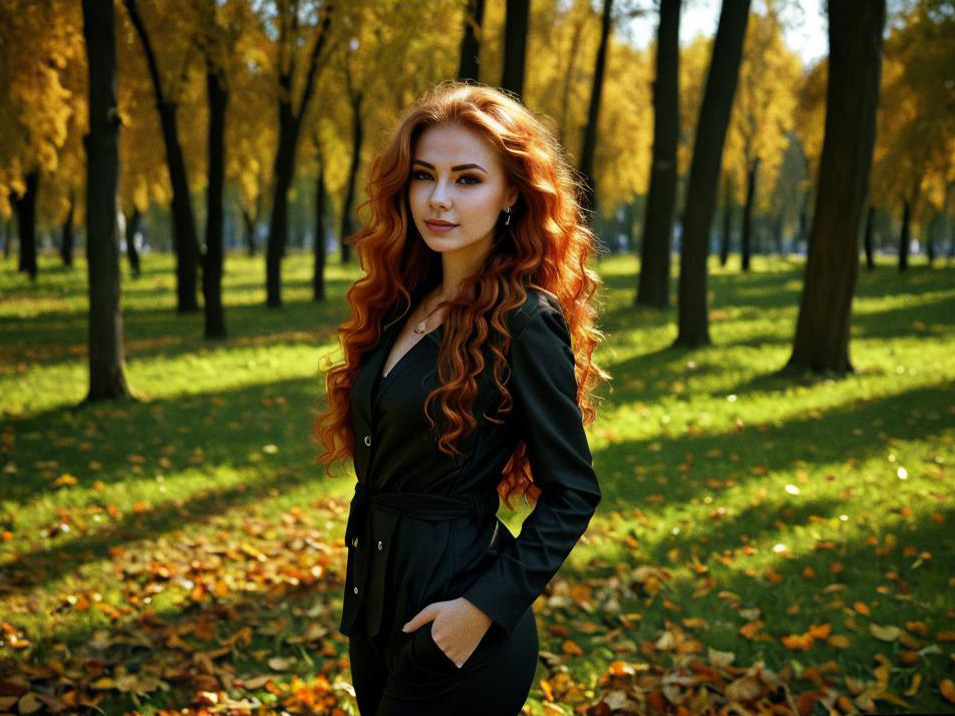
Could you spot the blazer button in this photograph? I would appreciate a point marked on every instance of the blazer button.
(355, 590)
(354, 541)
(379, 545)
(368, 441)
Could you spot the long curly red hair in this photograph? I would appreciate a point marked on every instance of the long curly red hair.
(546, 245)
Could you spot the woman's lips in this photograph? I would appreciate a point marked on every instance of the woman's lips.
(440, 228)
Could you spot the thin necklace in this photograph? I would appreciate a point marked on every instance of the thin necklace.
(420, 327)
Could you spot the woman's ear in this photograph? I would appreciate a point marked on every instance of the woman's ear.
(512, 197)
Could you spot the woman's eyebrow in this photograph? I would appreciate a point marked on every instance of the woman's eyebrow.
(458, 168)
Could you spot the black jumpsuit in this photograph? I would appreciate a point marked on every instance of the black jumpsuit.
(421, 523)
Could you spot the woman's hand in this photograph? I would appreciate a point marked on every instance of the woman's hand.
(458, 627)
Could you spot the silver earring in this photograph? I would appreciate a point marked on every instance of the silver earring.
(507, 222)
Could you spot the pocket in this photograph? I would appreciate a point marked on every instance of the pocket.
(428, 655)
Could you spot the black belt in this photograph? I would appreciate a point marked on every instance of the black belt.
(420, 505)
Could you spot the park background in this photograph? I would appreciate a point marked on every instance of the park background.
(774, 206)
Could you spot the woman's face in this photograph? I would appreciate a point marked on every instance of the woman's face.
(457, 177)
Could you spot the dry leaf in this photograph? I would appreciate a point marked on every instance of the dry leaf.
(885, 633)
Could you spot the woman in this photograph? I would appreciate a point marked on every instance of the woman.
(459, 374)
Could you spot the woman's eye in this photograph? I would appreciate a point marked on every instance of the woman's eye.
(425, 175)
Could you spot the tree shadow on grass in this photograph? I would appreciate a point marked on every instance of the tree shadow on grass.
(164, 434)
(767, 448)
(61, 339)
(41, 566)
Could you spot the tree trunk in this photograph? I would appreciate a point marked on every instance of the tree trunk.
(66, 245)
(747, 239)
(290, 124)
(727, 219)
(937, 228)
(348, 208)
(248, 222)
(469, 66)
(905, 236)
(515, 45)
(704, 171)
(106, 352)
(318, 275)
(133, 225)
(930, 235)
(185, 238)
(947, 222)
(855, 57)
(213, 256)
(593, 113)
(569, 76)
(25, 207)
(867, 241)
(654, 285)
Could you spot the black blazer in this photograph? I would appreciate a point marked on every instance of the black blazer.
(421, 523)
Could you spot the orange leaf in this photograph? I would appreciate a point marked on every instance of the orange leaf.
(819, 631)
(806, 700)
(64, 480)
(749, 630)
(947, 689)
(908, 658)
(798, 641)
(571, 647)
(861, 608)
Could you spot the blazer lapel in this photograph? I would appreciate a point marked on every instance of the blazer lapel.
(365, 381)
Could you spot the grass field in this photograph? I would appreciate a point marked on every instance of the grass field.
(183, 551)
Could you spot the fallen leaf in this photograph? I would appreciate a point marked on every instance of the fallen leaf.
(885, 633)
(947, 689)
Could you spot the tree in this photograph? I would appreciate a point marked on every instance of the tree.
(355, 96)
(855, 45)
(515, 46)
(590, 130)
(186, 241)
(469, 67)
(220, 28)
(321, 192)
(106, 351)
(762, 118)
(654, 283)
(704, 172)
(38, 106)
(290, 125)
(915, 140)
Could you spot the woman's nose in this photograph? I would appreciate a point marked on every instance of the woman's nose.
(440, 196)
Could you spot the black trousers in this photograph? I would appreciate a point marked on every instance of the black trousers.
(399, 674)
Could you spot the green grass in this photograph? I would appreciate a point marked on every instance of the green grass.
(789, 500)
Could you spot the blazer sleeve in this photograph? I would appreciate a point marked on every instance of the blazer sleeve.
(543, 389)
